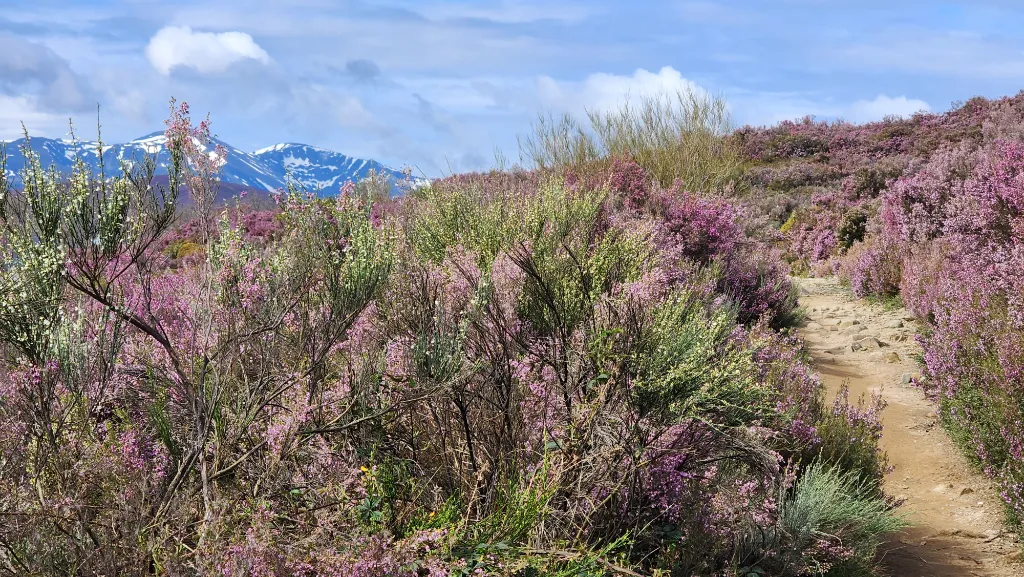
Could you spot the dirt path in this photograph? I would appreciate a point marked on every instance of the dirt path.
(956, 512)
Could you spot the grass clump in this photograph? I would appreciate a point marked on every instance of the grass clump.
(680, 137)
(830, 523)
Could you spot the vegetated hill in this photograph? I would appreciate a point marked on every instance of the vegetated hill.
(927, 210)
(265, 170)
(792, 160)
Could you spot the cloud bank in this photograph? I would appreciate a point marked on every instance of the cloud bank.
(603, 92)
(206, 52)
(882, 106)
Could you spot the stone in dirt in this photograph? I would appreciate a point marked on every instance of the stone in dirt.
(869, 343)
(813, 326)
(896, 324)
(906, 379)
(892, 357)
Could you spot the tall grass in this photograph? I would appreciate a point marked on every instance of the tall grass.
(672, 137)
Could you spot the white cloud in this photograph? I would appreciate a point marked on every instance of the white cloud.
(603, 92)
(606, 92)
(352, 114)
(132, 104)
(320, 102)
(882, 106)
(768, 108)
(206, 52)
(16, 110)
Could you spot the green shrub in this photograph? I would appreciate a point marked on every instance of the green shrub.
(687, 367)
(794, 217)
(852, 229)
(830, 523)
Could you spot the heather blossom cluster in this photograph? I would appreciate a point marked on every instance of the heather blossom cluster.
(516, 373)
(941, 205)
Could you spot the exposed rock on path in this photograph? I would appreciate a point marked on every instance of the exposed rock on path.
(956, 511)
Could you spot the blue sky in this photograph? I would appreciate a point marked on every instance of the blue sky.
(442, 84)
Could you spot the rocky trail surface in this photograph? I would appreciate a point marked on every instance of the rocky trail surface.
(955, 511)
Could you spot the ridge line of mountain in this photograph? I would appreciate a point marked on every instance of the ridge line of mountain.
(266, 169)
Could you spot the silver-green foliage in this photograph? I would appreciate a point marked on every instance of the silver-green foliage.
(827, 509)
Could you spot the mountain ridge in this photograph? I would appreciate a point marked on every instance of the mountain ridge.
(267, 169)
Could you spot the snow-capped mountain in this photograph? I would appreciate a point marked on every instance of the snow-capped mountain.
(267, 169)
(319, 168)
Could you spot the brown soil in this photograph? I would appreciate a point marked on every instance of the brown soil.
(955, 510)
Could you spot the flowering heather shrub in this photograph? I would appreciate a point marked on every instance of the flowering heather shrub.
(792, 175)
(702, 228)
(501, 374)
(991, 204)
(873, 267)
(629, 180)
(946, 237)
(708, 231)
(825, 229)
(942, 194)
(758, 285)
(1004, 121)
(854, 165)
(812, 236)
(914, 207)
(920, 287)
(974, 353)
(845, 428)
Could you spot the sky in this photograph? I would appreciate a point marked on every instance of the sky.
(443, 85)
